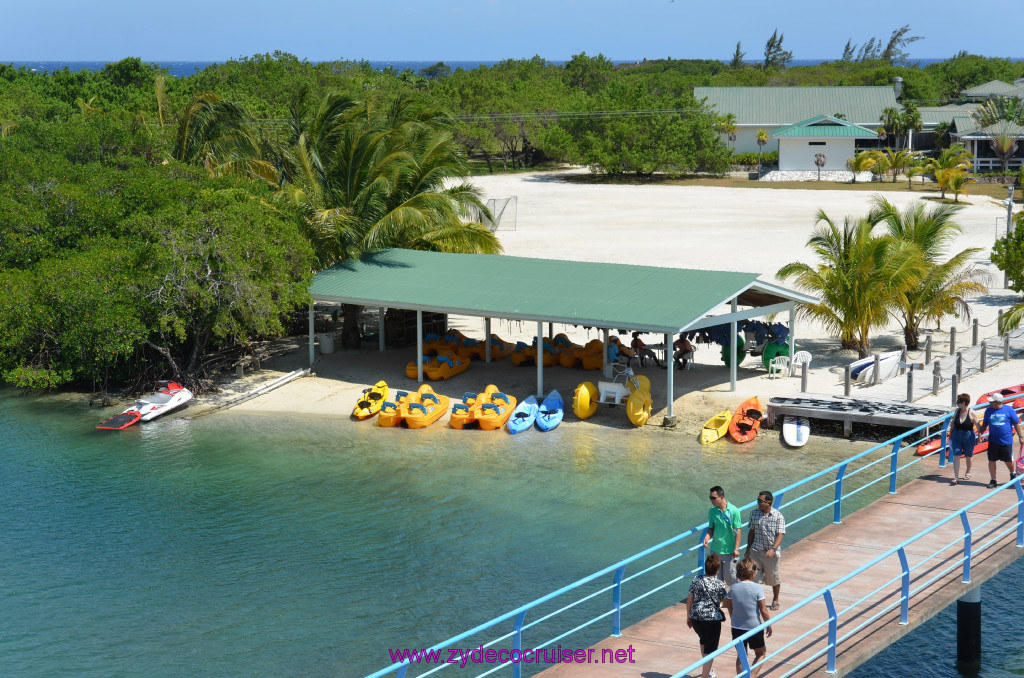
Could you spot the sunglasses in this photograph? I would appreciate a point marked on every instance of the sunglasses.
(763, 501)
(713, 498)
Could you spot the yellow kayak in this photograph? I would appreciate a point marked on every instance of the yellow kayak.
(715, 427)
(370, 401)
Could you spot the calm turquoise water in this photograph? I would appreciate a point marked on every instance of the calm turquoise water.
(251, 545)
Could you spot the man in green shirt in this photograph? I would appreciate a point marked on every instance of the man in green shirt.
(724, 523)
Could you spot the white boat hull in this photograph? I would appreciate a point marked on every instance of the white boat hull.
(160, 404)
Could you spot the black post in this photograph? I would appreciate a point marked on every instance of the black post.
(968, 631)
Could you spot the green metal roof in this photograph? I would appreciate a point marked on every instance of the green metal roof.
(824, 126)
(1003, 127)
(621, 296)
(774, 106)
(933, 115)
(992, 88)
(964, 125)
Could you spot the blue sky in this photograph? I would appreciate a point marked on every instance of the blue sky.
(453, 30)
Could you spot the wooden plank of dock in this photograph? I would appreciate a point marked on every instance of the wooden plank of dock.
(663, 645)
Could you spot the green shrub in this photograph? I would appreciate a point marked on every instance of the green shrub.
(767, 158)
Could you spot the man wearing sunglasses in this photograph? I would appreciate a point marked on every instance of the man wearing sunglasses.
(767, 527)
(724, 523)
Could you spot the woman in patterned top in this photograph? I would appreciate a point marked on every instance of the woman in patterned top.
(703, 612)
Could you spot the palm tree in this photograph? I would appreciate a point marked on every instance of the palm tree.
(1001, 118)
(858, 276)
(911, 121)
(942, 136)
(762, 139)
(880, 166)
(936, 288)
(956, 157)
(956, 180)
(892, 124)
(896, 161)
(861, 162)
(726, 126)
(220, 135)
(369, 180)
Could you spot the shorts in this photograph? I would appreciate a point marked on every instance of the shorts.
(961, 443)
(997, 452)
(754, 642)
(709, 632)
(768, 570)
(727, 573)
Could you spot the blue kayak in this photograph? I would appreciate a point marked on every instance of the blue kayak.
(523, 416)
(551, 411)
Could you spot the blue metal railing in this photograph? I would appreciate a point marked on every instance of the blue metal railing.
(838, 476)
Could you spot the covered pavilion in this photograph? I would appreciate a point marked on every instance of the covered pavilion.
(645, 299)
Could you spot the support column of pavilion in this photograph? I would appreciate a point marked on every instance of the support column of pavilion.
(670, 419)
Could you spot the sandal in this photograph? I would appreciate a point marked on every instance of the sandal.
(773, 606)
(955, 481)
(967, 476)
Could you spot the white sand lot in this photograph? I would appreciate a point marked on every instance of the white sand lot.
(738, 229)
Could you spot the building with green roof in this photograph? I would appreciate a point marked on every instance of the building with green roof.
(772, 108)
(830, 140)
(649, 299)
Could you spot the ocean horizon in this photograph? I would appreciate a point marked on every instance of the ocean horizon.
(184, 68)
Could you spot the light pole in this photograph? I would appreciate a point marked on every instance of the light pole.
(1009, 228)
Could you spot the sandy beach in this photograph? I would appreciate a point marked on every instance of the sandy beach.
(709, 228)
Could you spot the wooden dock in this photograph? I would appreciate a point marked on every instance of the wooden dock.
(851, 411)
(662, 644)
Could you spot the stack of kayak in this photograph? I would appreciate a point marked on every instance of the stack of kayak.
(489, 410)
(545, 416)
(741, 425)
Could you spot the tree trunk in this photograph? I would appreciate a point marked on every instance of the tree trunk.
(911, 336)
(351, 337)
(166, 353)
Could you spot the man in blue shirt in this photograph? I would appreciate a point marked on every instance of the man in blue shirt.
(1001, 421)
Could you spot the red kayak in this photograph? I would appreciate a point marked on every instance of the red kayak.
(933, 445)
(1012, 396)
(746, 421)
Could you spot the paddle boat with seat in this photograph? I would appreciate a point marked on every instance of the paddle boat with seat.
(464, 414)
(492, 415)
(446, 366)
(427, 408)
(391, 411)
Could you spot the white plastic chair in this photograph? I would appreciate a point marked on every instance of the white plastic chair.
(778, 365)
(801, 358)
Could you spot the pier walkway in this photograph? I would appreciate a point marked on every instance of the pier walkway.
(663, 645)
(878, 543)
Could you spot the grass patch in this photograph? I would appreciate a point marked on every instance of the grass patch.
(974, 190)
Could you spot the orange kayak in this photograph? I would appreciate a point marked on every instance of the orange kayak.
(746, 421)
